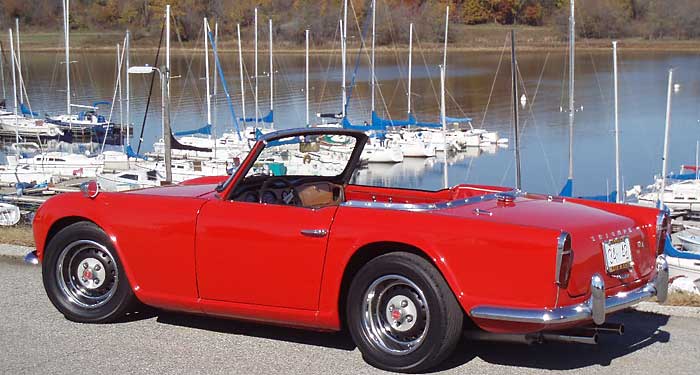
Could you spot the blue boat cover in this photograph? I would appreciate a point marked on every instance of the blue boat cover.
(205, 130)
(132, 154)
(269, 118)
(675, 253)
(568, 189)
(103, 102)
(26, 111)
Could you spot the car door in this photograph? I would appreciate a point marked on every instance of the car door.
(262, 254)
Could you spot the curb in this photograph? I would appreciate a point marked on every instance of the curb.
(14, 251)
(679, 311)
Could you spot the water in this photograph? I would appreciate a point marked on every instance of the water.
(470, 78)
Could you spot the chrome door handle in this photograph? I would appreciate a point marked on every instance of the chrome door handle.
(314, 232)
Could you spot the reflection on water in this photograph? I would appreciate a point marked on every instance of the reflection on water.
(470, 78)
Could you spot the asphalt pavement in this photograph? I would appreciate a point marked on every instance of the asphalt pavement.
(35, 338)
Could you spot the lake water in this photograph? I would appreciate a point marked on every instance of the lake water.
(473, 85)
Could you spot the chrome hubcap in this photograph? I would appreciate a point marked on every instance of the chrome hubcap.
(87, 274)
(395, 315)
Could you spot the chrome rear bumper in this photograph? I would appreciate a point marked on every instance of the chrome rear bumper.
(595, 308)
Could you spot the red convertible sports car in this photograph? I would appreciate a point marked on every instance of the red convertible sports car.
(289, 240)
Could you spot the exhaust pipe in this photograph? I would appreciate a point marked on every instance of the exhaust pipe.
(533, 338)
(609, 328)
(575, 339)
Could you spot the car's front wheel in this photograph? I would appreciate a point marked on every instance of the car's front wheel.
(401, 313)
(84, 277)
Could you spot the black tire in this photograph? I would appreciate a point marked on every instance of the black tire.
(390, 288)
(84, 277)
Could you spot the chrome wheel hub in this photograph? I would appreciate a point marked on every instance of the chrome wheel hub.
(91, 273)
(395, 315)
(87, 274)
(401, 313)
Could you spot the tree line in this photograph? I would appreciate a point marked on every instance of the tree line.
(651, 19)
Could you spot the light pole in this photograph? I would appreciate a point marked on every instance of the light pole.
(164, 74)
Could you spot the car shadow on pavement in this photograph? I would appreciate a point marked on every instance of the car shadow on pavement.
(641, 330)
(338, 340)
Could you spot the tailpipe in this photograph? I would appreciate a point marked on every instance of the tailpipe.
(573, 339)
(608, 328)
(590, 338)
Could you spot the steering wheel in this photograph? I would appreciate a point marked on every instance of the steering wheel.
(291, 199)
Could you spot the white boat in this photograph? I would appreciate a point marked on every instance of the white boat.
(412, 144)
(60, 164)
(26, 127)
(129, 180)
(376, 152)
(683, 264)
(11, 175)
(679, 196)
(9, 214)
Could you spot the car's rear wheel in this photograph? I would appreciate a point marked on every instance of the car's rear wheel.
(401, 313)
(84, 277)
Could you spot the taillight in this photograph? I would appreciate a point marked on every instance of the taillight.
(565, 259)
(663, 228)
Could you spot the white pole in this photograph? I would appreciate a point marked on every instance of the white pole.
(697, 156)
(66, 31)
(410, 64)
(444, 124)
(447, 24)
(206, 69)
(572, 111)
(14, 76)
(2, 74)
(620, 195)
(128, 88)
(119, 86)
(127, 46)
(19, 56)
(216, 42)
(308, 122)
(342, 49)
(256, 67)
(344, 31)
(167, 44)
(666, 136)
(374, 20)
(240, 68)
(272, 124)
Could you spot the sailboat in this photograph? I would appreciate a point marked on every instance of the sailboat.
(87, 119)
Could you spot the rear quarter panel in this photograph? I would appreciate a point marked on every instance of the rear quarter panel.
(153, 236)
(483, 263)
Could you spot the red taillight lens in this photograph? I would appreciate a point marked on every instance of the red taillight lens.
(663, 229)
(565, 260)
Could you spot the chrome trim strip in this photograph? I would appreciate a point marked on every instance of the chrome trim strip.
(596, 308)
(418, 207)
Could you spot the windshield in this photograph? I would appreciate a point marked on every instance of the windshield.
(310, 155)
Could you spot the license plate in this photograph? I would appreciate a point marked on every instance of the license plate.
(618, 254)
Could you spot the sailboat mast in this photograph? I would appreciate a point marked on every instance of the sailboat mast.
(447, 24)
(256, 67)
(272, 124)
(374, 20)
(444, 125)
(617, 127)
(167, 42)
(344, 41)
(19, 58)
(664, 166)
(240, 68)
(14, 76)
(216, 42)
(308, 122)
(127, 46)
(2, 72)
(572, 59)
(410, 64)
(514, 79)
(206, 69)
(66, 6)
